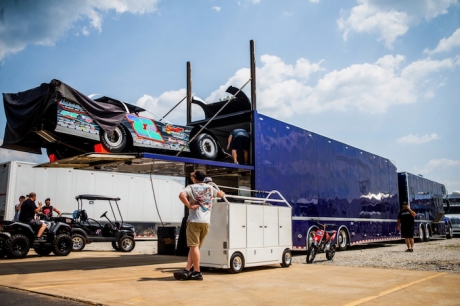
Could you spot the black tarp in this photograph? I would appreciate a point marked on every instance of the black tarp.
(26, 110)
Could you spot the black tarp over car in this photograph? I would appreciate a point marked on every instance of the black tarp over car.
(29, 110)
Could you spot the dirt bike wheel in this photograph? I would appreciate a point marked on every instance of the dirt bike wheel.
(311, 253)
(331, 253)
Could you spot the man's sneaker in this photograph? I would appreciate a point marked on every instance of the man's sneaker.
(183, 275)
(40, 239)
(196, 276)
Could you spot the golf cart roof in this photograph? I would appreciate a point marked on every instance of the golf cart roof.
(96, 197)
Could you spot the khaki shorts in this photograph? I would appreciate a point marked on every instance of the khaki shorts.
(196, 232)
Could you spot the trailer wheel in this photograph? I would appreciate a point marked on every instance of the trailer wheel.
(126, 244)
(421, 233)
(43, 250)
(286, 260)
(236, 263)
(79, 242)
(17, 246)
(62, 245)
(115, 142)
(427, 233)
(342, 240)
(204, 146)
(449, 234)
(3, 239)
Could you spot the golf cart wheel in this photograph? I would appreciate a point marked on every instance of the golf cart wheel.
(62, 245)
(286, 260)
(115, 142)
(126, 244)
(204, 146)
(3, 239)
(43, 250)
(79, 242)
(115, 245)
(236, 263)
(17, 246)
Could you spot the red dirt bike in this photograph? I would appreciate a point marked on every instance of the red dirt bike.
(323, 241)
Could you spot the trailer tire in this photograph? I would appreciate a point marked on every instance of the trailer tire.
(342, 240)
(126, 244)
(449, 234)
(78, 242)
(3, 239)
(236, 263)
(427, 233)
(115, 142)
(204, 146)
(43, 250)
(62, 245)
(286, 260)
(17, 246)
(421, 233)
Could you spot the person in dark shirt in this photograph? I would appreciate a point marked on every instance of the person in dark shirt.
(406, 219)
(47, 210)
(27, 214)
(17, 208)
(239, 141)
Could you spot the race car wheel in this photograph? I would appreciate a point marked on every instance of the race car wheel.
(43, 250)
(126, 244)
(62, 245)
(17, 246)
(3, 239)
(115, 142)
(79, 242)
(204, 146)
(62, 152)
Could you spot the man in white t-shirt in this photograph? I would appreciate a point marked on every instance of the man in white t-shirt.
(198, 198)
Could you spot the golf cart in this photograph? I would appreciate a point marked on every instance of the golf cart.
(17, 238)
(86, 230)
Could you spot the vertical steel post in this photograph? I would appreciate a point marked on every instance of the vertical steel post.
(189, 93)
(253, 75)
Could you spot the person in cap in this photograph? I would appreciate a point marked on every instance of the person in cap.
(27, 214)
(405, 224)
(198, 198)
(47, 210)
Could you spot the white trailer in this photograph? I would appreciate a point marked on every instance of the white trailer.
(137, 203)
(248, 234)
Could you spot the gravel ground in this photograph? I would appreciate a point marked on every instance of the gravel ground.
(441, 255)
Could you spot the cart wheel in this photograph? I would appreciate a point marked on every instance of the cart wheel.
(79, 242)
(286, 261)
(126, 244)
(115, 246)
(236, 263)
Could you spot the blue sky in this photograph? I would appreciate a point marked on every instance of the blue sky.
(381, 75)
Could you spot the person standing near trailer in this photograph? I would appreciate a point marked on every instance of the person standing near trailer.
(17, 208)
(239, 141)
(198, 198)
(406, 219)
(27, 214)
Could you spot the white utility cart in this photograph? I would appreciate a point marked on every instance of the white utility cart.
(254, 233)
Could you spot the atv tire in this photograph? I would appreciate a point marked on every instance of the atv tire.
(62, 245)
(17, 246)
(43, 250)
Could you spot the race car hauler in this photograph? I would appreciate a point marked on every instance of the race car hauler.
(137, 202)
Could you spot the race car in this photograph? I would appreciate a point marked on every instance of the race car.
(67, 123)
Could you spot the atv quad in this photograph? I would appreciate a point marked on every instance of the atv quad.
(87, 230)
(17, 238)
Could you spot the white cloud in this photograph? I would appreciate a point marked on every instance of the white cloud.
(446, 44)
(416, 139)
(438, 164)
(284, 89)
(314, 1)
(44, 22)
(389, 19)
(216, 8)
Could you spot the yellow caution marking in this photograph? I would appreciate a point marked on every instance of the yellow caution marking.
(370, 298)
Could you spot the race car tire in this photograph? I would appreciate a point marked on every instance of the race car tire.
(62, 245)
(62, 152)
(17, 246)
(115, 142)
(204, 146)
